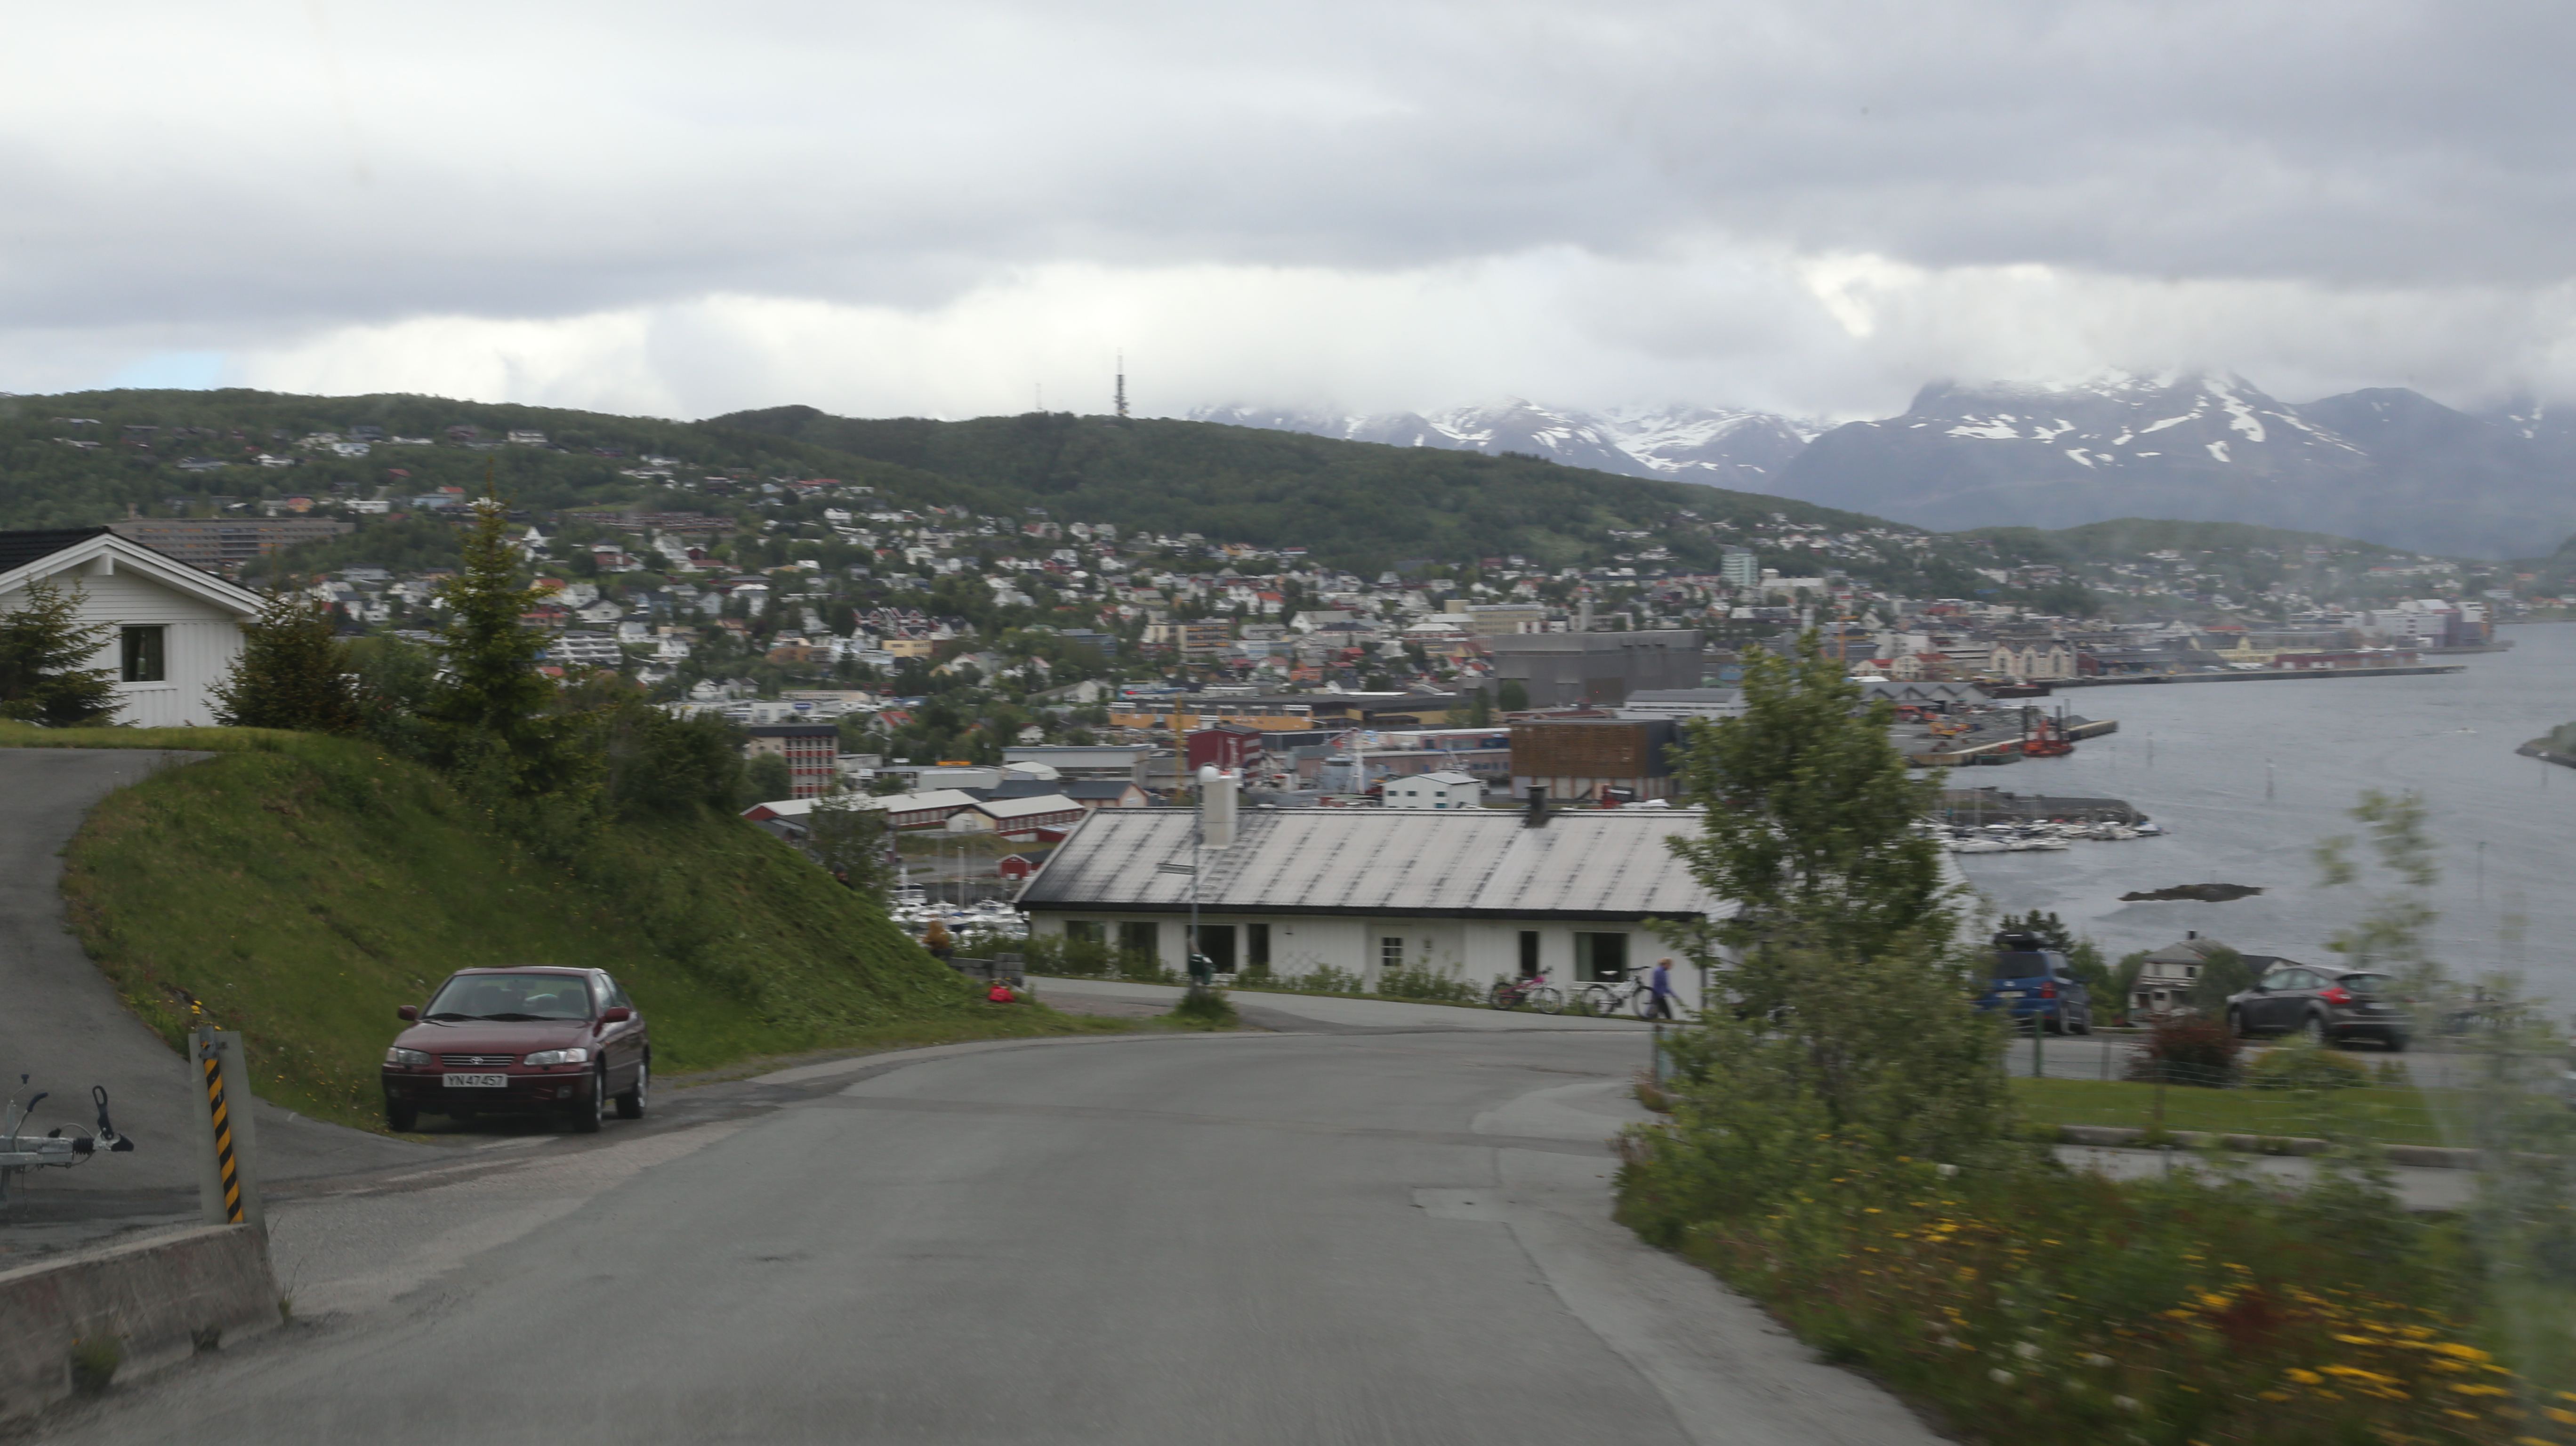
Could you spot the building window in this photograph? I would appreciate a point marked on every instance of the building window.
(1145, 939)
(1390, 953)
(1083, 931)
(1601, 956)
(146, 657)
(1529, 953)
(1256, 946)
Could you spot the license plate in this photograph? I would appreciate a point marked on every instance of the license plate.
(2009, 994)
(477, 1081)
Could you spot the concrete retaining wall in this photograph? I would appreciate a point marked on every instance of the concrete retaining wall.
(159, 1297)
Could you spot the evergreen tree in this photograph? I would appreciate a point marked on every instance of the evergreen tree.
(293, 672)
(492, 715)
(43, 644)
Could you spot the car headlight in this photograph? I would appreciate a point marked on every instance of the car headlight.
(400, 1055)
(560, 1056)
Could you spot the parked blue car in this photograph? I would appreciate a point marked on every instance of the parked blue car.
(2035, 986)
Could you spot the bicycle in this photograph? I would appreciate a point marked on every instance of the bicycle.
(1534, 991)
(1630, 995)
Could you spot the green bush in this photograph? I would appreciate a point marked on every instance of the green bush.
(1421, 981)
(1205, 1008)
(2188, 1049)
(2305, 1066)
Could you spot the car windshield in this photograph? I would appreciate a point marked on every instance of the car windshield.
(512, 996)
(2365, 983)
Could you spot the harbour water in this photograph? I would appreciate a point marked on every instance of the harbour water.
(2246, 778)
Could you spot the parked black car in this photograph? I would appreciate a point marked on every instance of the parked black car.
(2327, 1004)
(2035, 986)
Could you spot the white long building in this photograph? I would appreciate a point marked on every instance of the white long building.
(1478, 894)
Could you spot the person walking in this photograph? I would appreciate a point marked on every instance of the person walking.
(1660, 985)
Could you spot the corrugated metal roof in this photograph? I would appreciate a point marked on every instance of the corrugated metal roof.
(1379, 861)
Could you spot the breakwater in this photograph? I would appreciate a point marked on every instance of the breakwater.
(2539, 748)
(2256, 675)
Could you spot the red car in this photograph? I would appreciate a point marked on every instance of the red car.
(521, 1040)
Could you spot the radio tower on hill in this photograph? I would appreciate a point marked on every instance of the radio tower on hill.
(1122, 386)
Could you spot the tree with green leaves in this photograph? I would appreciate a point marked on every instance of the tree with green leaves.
(492, 715)
(43, 645)
(848, 839)
(1809, 820)
(767, 778)
(293, 672)
(1845, 1013)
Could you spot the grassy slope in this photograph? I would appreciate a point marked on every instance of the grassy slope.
(299, 888)
(2400, 1115)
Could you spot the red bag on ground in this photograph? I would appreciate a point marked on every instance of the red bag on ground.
(1001, 994)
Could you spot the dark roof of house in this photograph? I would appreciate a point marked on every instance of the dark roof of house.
(1097, 788)
(17, 549)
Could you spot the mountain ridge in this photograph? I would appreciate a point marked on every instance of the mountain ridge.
(2384, 464)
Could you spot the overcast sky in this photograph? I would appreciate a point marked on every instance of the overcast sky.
(1802, 205)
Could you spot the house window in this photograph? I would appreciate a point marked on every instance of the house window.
(1601, 956)
(1145, 939)
(1390, 953)
(1529, 953)
(146, 658)
(1083, 931)
(1256, 946)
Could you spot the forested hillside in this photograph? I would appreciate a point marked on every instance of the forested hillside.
(85, 458)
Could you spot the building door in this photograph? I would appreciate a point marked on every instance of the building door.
(1256, 948)
(1217, 942)
(1529, 953)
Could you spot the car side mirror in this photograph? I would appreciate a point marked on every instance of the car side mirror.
(407, 1011)
(616, 1014)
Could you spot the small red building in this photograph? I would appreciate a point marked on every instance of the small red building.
(1225, 745)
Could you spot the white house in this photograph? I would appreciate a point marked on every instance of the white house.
(1438, 791)
(1479, 894)
(174, 630)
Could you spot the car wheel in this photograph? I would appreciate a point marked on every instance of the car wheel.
(2317, 1032)
(2395, 1044)
(401, 1118)
(630, 1105)
(2084, 1022)
(587, 1114)
(2236, 1024)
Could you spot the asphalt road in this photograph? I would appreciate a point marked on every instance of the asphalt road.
(62, 1025)
(1364, 1234)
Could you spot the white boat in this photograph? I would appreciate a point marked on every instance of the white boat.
(1981, 846)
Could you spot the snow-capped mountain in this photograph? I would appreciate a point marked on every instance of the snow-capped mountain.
(2384, 464)
(1690, 444)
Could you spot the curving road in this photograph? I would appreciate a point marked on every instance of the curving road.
(62, 1025)
(1382, 1231)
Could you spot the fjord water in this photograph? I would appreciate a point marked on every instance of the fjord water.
(2247, 777)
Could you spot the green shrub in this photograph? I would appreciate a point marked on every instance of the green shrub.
(1205, 1008)
(2305, 1066)
(2188, 1049)
(94, 1362)
(1421, 981)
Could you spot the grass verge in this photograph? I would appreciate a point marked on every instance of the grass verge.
(298, 888)
(2396, 1116)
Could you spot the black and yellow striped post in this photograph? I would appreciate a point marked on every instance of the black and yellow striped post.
(227, 1167)
(227, 1147)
